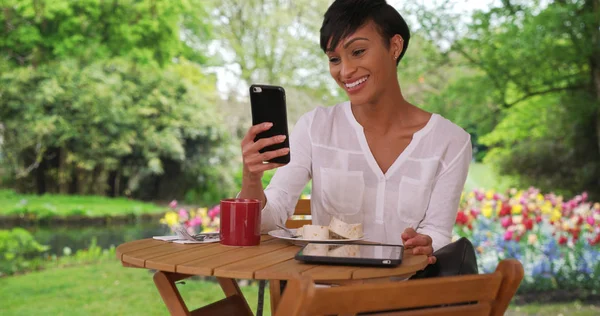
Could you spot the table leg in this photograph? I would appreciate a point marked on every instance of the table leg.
(233, 304)
(275, 293)
(165, 282)
(231, 290)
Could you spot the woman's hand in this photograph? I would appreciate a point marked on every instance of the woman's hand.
(254, 165)
(419, 244)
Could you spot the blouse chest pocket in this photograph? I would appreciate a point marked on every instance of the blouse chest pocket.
(413, 199)
(342, 191)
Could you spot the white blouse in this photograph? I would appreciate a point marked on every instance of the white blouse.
(421, 189)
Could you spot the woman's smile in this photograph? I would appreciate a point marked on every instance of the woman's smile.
(354, 85)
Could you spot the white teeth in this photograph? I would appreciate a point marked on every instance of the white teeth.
(356, 83)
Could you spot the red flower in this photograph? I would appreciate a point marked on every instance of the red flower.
(505, 210)
(538, 219)
(528, 222)
(461, 218)
(579, 220)
(575, 233)
(594, 241)
(562, 240)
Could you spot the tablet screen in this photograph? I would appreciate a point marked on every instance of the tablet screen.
(358, 251)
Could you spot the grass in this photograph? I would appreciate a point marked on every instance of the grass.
(483, 176)
(107, 288)
(12, 203)
(573, 308)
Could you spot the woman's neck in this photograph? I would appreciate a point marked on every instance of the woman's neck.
(385, 113)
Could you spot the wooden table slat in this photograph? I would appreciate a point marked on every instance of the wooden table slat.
(140, 256)
(206, 266)
(136, 245)
(283, 271)
(169, 262)
(245, 269)
(330, 272)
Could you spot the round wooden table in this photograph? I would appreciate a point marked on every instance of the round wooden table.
(272, 260)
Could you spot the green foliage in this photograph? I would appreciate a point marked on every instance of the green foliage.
(19, 251)
(41, 31)
(50, 206)
(526, 85)
(109, 116)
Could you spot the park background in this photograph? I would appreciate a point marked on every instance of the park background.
(120, 118)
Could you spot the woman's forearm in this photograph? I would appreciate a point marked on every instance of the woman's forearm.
(253, 190)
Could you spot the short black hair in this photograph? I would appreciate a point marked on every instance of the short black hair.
(344, 17)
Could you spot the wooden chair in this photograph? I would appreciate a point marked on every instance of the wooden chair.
(484, 294)
(302, 209)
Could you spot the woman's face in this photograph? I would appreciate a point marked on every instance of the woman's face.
(363, 66)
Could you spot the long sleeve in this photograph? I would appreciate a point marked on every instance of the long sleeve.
(285, 187)
(445, 197)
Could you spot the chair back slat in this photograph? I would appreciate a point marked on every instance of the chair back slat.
(463, 310)
(297, 223)
(416, 293)
(302, 207)
(482, 294)
(300, 212)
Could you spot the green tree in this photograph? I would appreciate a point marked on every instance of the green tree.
(38, 31)
(109, 97)
(531, 89)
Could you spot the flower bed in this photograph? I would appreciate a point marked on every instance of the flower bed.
(194, 220)
(557, 241)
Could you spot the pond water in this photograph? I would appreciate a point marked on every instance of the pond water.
(76, 238)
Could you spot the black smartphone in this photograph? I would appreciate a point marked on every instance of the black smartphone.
(268, 105)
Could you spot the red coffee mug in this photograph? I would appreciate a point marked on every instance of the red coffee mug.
(240, 222)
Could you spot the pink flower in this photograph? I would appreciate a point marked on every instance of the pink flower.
(506, 221)
(183, 214)
(214, 212)
(584, 196)
(590, 220)
(196, 221)
(508, 235)
(173, 204)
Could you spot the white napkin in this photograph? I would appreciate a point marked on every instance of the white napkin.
(177, 240)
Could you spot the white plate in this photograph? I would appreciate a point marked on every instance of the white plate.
(282, 234)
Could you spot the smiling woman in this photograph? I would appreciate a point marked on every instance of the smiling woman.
(376, 159)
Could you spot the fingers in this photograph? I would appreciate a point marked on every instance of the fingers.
(254, 147)
(256, 163)
(418, 240)
(423, 250)
(431, 260)
(255, 130)
(408, 234)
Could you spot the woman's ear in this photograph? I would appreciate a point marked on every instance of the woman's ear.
(396, 46)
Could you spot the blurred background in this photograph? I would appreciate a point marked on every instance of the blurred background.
(122, 118)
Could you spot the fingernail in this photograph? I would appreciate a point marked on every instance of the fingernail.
(268, 124)
(282, 137)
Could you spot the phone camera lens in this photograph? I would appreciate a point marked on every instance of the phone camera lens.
(257, 90)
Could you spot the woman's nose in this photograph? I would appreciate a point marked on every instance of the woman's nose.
(348, 69)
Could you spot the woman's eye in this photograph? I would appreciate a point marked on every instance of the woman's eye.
(358, 52)
(334, 60)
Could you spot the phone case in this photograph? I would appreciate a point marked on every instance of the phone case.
(269, 105)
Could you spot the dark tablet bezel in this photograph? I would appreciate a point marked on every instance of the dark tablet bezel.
(389, 262)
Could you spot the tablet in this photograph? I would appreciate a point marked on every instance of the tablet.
(351, 254)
